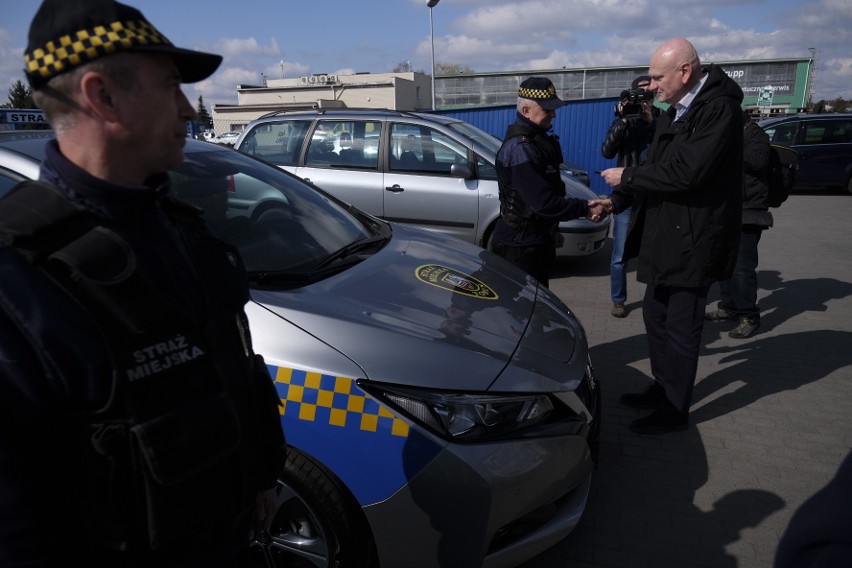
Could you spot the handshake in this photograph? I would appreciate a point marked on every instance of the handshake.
(598, 208)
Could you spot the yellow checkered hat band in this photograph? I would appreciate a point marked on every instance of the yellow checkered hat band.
(69, 51)
(536, 93)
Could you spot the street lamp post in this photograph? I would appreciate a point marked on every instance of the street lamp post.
(432, 4)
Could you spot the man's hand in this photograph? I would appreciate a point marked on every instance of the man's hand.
(596, 209)
(612, 176)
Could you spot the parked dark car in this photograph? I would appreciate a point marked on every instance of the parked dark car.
(823, 145)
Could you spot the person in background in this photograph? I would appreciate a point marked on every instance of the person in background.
(628, 137)
(685, 228)
(137, 426)
(532, 193)
(738, 299)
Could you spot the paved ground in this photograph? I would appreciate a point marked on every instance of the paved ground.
(771, 415)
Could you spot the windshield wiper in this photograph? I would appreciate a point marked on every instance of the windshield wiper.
(352, 249)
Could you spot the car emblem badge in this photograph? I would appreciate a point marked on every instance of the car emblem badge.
(454, 281)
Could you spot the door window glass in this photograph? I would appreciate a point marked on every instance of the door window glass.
(420, 149)
(828, 131)
(345, 144)
(783, 134)
(276, 142)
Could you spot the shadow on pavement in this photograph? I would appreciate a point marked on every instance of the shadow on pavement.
(641, 512)
(767, 366)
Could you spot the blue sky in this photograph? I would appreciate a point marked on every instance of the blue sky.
(294, 38)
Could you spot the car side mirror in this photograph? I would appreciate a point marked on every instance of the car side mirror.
(461, 171)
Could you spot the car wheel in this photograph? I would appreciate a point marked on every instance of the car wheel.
(318, 522)
(849, 186)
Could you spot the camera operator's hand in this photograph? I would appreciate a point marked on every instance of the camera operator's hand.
(612, 176)
(648, 111)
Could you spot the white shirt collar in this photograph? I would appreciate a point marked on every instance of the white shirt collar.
(683, 104)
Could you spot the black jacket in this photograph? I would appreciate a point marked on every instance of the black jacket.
(687, 197)
(629, 140)
(756, 149)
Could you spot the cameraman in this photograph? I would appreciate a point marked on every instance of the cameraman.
(628, 137)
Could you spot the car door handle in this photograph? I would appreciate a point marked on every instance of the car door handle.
(396, 188)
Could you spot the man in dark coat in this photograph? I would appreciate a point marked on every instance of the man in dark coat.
(739, 293)
(687, 204)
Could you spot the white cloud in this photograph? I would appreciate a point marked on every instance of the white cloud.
(244, 47)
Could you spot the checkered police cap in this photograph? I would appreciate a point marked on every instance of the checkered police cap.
(542, 91)
(65, 34)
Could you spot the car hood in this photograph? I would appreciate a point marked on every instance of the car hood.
(433, 311)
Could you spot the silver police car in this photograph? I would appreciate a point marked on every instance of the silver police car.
(440, 406)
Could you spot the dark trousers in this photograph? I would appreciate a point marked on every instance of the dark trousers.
(739, 293)
(535, 261)
(674, 319)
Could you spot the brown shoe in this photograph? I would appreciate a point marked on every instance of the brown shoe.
(618, 310)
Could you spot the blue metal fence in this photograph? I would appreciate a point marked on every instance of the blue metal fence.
(580, 125)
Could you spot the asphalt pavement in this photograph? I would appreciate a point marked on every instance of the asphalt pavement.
(771, 416)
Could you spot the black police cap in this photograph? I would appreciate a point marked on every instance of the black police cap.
(542, 91)
(65, 34)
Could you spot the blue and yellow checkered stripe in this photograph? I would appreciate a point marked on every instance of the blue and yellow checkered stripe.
(82, 46)
(335, 401)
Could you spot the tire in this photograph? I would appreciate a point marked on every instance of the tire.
(318, 523)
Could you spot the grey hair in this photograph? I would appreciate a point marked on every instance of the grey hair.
(56, 98)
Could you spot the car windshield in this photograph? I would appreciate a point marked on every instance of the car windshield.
(285, 230)
(488, 141)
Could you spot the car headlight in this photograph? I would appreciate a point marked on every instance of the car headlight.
(468, 417)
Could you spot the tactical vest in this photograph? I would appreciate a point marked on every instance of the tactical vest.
(182, 428)
(512, 207)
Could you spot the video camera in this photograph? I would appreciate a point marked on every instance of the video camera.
(631, 102)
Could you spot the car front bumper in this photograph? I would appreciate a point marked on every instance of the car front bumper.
(493, 505)
(583, 238)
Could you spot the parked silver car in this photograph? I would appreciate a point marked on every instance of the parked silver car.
(426, 170)
(440, 405)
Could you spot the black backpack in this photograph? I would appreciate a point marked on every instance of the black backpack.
(782, 173)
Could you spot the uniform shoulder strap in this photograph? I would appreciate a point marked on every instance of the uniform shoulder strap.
(36, 219)
(518, 129)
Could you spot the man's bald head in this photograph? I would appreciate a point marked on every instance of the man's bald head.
(675, 69)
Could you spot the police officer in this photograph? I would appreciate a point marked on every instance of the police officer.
(532, 193)
(137, 426)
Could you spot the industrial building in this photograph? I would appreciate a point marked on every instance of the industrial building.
(776, 86)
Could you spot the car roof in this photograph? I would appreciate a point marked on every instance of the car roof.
(31, 143)
(766, 122)
(356, 113)
(27, 142)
